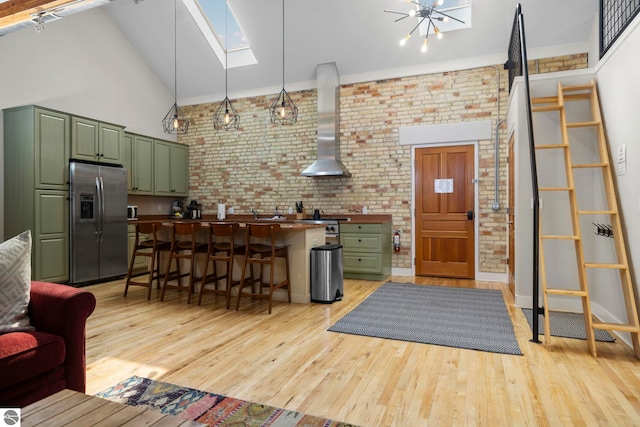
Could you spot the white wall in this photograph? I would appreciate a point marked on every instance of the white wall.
(81, 64)
(617, 79)
(618, 76)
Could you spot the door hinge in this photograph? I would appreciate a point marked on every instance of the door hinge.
(414, 261)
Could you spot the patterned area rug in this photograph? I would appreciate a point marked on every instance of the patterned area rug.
(207, 408)
(475, 319)
(567, 325)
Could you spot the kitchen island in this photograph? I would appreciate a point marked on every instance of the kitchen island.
(300, 238)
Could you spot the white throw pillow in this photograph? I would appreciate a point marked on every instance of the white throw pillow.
(15, 283)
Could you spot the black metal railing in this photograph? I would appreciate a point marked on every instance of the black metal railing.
(615, 17)
(517, 65)
(514, 54)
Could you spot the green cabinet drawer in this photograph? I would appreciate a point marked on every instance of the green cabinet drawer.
(362, 262)
(361, 242)
(361, 228)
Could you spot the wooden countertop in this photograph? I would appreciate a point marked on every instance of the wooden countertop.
(284, 224)
(286, 220)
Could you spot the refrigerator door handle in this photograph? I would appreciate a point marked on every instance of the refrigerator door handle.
(98, 210)
(101, 207)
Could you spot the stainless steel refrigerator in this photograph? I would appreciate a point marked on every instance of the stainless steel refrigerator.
(98, 222)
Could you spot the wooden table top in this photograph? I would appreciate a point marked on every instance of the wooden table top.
(71, 407)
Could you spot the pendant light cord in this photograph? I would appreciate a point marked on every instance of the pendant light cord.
(283, 44)
(226, 49)
(175, 54)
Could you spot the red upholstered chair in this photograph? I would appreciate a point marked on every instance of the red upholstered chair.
(36, 364)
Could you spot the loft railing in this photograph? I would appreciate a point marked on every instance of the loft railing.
(615, 17)
(517, 65)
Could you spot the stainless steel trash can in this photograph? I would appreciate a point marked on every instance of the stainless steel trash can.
(326, 274)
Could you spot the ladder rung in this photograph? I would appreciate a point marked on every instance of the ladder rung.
(558, 237)
(577, 96)
(611, 266)
(547, 146)
(555, 189)
(583, 124)
(545, 100)
(544, 108)
(590, 165)
(616, 327)
(597, 212)
(568, 292)
(577, 88)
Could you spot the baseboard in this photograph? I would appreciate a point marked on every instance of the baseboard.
(492, 277)
(402, 272)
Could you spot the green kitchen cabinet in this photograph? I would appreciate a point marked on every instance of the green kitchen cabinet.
(170, 169)
(36, 189)
(97, 142)
(51, 236)
(139, 161)
(366, 250)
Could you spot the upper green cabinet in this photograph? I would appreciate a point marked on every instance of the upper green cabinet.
(170, 169)
(51, 149)
(97, 142)
(139, 161)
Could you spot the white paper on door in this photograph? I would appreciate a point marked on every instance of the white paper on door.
(443, 185)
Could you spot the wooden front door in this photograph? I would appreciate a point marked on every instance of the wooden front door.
(445, 211)
(510, 220)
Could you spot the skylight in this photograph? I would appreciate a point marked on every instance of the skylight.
(209, 15)
(460, 9)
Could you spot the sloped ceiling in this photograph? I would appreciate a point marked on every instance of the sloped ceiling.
(355, 34)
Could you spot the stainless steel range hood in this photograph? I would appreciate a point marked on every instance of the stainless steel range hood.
(328, 162)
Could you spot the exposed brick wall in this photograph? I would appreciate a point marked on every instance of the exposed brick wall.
(558, 63)
(259, 166)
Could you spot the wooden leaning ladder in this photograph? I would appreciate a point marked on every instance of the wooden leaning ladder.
(557, 103)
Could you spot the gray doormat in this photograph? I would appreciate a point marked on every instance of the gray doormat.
(566, 325)
(468, 318)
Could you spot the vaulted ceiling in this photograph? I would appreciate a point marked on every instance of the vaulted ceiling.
(355, 34)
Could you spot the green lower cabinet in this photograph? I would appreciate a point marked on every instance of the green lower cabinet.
(366, 250)
(51, 236)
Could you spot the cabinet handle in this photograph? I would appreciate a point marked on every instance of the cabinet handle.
(359, 240)
(359, 259)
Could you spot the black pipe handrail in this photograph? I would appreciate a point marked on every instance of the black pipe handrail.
(517, 65)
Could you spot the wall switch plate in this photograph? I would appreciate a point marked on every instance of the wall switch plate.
(621, 159)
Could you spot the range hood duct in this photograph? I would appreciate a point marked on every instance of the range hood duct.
(328, 163)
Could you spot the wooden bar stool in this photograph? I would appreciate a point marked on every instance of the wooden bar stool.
(220, 251)
(263, 254)
(149, 247)
(183, 247)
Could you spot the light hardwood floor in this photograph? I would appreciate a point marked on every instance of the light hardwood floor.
(289, 360)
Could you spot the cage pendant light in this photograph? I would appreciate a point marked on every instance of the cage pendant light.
(226, 117)
(174, 122)
(283, 111)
